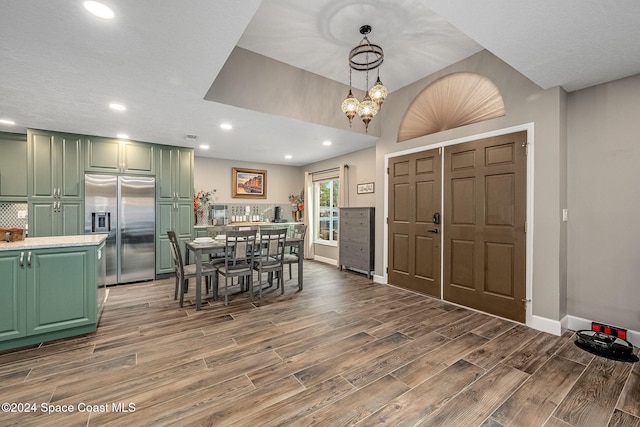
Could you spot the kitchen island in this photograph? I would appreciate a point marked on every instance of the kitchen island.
(51, 288)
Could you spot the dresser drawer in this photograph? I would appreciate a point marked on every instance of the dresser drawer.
(355, 213)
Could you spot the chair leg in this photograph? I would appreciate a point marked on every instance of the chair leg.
(289, 271)
(226, 299)
(175, 297)
(183, 285)
(281, 279)
(215, 286)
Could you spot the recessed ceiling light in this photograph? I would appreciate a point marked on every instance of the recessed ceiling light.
(327, 143)
(7, 122)
(226, 126)
(118, 107)
(204, 146)
(123, 136)
(288, 156)
(98, 9)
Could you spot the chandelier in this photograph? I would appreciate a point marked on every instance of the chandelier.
(365, 57)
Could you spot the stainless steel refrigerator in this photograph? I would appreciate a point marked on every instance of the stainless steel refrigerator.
(123, 207)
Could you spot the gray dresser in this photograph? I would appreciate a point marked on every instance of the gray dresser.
(357, 239)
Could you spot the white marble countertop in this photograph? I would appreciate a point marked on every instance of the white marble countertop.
(53, 242)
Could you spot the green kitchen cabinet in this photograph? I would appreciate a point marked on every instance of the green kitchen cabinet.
(55, 169)
(13, 167)
(13, 296)
(174, 178)
(47, 294)
(201, 232)
(56, 218)
(174, 201)
(55, 178)
(171, 216)
(115, 156)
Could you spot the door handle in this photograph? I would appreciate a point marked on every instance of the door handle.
(22, 260)
(29, 260)
(433, 230)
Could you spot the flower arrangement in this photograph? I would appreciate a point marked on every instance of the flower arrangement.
(201, 198)
(297, 200)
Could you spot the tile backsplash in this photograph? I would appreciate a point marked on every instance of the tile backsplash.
(13, 215)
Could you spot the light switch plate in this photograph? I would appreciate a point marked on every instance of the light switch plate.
(565, 215)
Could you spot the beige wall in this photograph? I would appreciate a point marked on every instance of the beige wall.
(361, 169)
(585, 159)
(210, 174)
(604, 201)
(525, 103)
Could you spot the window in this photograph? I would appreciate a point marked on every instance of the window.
(326, 204)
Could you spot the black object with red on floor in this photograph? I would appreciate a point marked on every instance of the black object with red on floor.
(606, 341)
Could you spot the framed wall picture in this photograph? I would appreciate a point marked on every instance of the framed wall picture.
(248, 183)
(366, 188)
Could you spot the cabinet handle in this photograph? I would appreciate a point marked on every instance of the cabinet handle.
(22, 260)
(29, 260)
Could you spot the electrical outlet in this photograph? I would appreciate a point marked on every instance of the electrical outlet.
(565, 215)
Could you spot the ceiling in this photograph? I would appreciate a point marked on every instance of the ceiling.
(60, 67)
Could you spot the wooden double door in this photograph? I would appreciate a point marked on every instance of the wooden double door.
(458, 232)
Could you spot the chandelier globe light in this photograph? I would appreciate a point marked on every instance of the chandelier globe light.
(350, 104)
(364, 57)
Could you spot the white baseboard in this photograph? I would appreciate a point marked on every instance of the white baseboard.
(577, 323)
(380, 279)
(325, 260)
(546, 325)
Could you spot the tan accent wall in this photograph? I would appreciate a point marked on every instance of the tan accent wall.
(209, 174)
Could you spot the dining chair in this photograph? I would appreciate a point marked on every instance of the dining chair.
(270, 256)
(238, 261)
(186, 272)
(292, 256)
(213, 233)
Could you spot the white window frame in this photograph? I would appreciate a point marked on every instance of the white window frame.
(316, 219)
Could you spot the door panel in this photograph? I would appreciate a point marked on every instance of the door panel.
(414, 198)
(71, 166)
(485, 211)
(12, 296)
(57, 299)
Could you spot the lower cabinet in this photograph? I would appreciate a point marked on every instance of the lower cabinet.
(171, 216)
(46, 294)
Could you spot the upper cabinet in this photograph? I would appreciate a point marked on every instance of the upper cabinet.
(55, 166)
(175, 174)
(13, 167)
(116, 156)
(55, 173)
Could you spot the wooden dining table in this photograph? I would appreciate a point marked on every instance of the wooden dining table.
(200, 248)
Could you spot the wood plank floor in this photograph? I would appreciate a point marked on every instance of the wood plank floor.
(344, 351)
